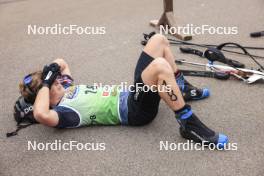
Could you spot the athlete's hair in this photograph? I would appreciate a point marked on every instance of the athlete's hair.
(33, 87)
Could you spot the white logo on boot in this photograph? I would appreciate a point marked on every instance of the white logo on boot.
(193, 93)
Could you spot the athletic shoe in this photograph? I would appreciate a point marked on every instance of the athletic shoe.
(189, 92)
(193, 129)
(193, 93)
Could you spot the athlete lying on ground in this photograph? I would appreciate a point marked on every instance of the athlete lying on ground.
(58, 103)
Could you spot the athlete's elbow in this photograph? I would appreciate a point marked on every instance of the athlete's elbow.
(40, 115)
(61, 62)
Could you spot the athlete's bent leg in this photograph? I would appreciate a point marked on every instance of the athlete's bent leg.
(158, 46)
(160, 73)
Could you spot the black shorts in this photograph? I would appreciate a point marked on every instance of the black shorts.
(142, 106)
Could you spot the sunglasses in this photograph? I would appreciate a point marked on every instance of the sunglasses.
(28, 80)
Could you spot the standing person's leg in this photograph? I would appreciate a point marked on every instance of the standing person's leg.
(158, 46)
(159, 72)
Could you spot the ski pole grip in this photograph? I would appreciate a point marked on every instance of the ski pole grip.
(222, 75)
(235, 63)
(191, 51)
(257, 34)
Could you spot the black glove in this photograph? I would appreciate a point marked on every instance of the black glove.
(49, 74)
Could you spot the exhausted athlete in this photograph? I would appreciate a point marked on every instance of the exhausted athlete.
(61, 104)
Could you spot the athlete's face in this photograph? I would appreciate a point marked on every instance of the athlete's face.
(56, 92)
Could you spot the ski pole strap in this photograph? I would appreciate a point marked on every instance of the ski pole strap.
(214, 54)
(19, 127)
(219, 47)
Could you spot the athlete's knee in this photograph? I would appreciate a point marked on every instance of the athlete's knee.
(159, 38)
(161, 65)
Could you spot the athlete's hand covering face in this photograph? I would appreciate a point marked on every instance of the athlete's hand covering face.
(50, 73)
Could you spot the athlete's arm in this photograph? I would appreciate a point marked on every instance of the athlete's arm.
(41, 110)
(64, 67)
(42, 113)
